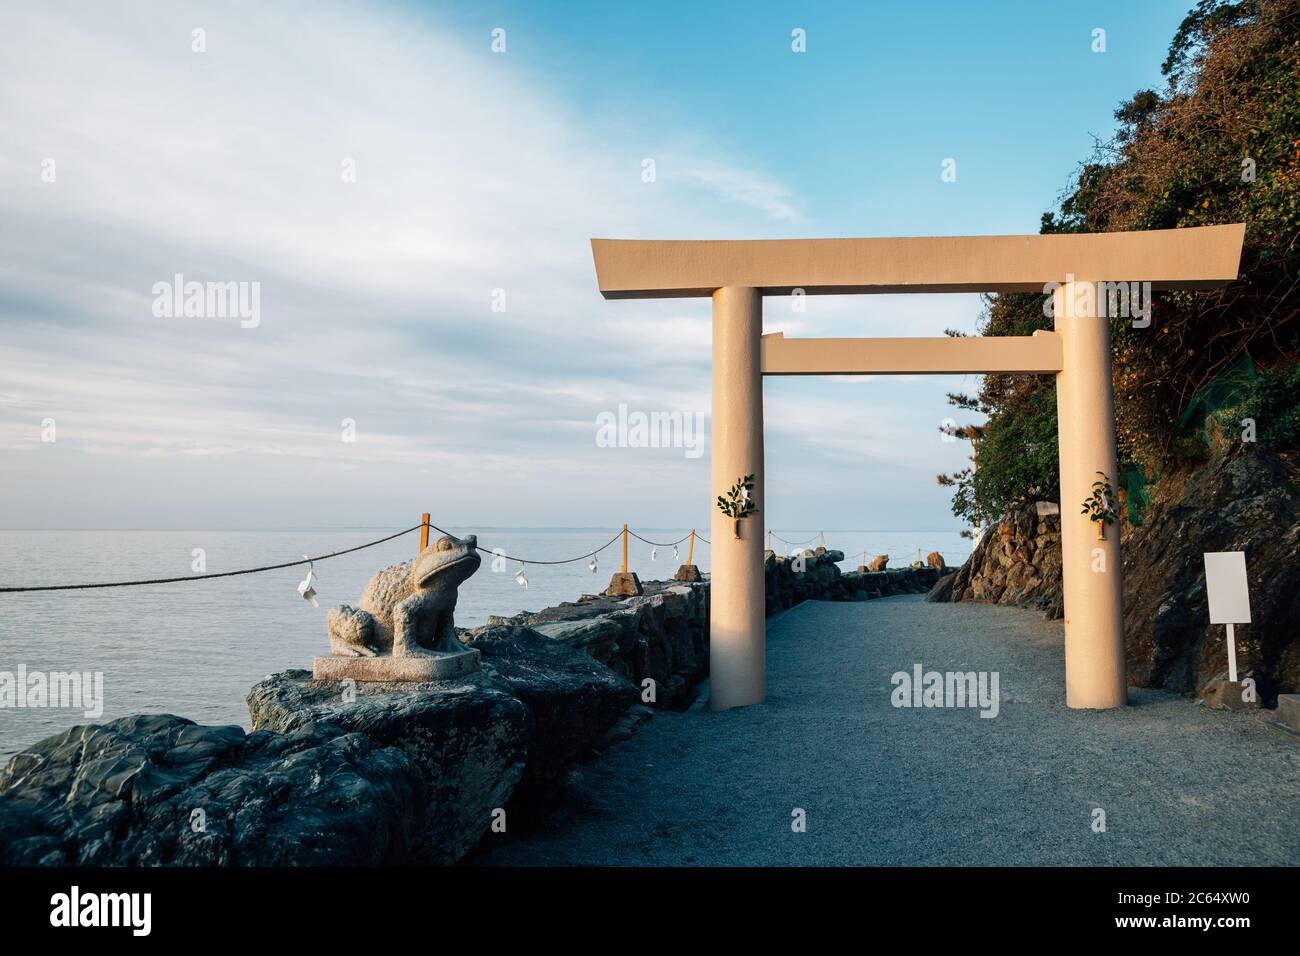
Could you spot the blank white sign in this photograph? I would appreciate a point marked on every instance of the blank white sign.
(1225, 582)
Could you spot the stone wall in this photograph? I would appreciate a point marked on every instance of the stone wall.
(663, 634)
(822, 580)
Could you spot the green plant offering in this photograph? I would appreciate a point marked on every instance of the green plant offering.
(737, 503)
(1098, 505)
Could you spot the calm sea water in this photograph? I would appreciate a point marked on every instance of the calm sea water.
(196, 647)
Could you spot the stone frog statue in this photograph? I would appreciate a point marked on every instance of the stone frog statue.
(406, 610)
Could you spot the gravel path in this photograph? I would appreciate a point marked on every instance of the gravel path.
(1180, 785)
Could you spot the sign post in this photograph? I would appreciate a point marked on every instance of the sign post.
(1229, 597)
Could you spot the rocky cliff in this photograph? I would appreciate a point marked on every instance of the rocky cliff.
(1017, 562)
(1243, 499)
(1246, 500)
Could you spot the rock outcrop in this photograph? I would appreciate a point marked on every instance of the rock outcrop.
(573, 698)
(468, 740)
(159, 790)
(1017, 562)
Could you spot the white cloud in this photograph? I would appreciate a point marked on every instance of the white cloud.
(375, 295)
(737, 185)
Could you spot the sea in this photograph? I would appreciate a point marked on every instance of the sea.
(196, 647)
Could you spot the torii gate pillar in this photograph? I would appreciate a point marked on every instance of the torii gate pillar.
(1090, 566)
(737, 630)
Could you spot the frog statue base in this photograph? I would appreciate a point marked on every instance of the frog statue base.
(402, 628)
(445, 666)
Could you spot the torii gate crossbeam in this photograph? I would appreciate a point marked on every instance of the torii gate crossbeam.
(1037, 354)
(737, 274)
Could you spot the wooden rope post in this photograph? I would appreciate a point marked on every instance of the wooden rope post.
(821, 539)
(625, 549)
(769, 539)
(424, 531)
(690, 551)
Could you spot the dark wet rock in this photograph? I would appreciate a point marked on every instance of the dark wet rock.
(159, 790)
(574, 699)
(1246, 499)
(942, 590)
(467, 739)
(625, 726)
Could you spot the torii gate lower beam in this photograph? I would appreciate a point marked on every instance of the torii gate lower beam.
(1039, 353)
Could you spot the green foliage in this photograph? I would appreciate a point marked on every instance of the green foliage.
(1204, 19)
(1019, 455)
(737, 503)
(1136, 494)
(1099, 506)
(1230, 388)
(1017, 460)
(1272, 401)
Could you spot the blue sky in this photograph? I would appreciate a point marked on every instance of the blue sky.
(478, 171)
(1013, 90)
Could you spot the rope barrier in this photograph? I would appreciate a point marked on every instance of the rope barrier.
(332, 554)
(217, 574)
(795, 544)
(658, 544)
(501, 554)
(425, 524)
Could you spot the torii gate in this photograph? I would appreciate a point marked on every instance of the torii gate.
(737, 274)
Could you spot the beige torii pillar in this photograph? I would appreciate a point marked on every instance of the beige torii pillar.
(1090, 567)
(737, 630)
